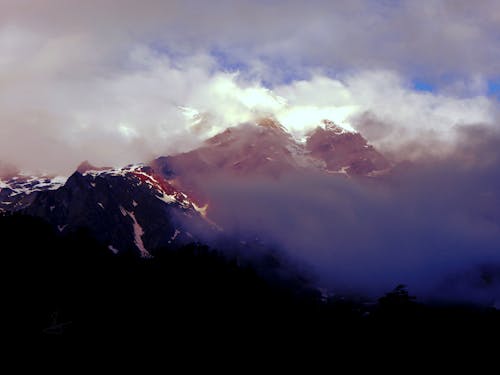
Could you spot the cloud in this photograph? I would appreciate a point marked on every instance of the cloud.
(432, 37)
(432, 224)
(120, 82)
(104, 82)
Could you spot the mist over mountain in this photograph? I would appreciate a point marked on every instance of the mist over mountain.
(352, 220)
(362, 233)
(329, 161)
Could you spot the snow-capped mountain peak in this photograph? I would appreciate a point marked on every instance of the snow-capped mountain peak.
(97, 198)
(139, 206)
(337, 129)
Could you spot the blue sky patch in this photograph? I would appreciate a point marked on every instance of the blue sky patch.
(421, 85)
(494, 88)
(227, 62)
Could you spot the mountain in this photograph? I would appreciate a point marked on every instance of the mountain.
(143, 207)
(128, 209)
(266, 149)
(18, 191)
(344, 151)
(263, 148)
(168, 203)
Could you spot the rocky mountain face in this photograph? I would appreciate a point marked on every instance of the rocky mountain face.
(345, 151)
(144, 207)
(128, 209)
(19, 191)
(266, 148)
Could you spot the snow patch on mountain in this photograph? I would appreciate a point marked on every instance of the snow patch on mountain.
(138, 233)
(174, 236)
(201, 210)
(113, 249)
(28, 184)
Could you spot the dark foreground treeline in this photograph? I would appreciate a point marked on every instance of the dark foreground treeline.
(70, 286)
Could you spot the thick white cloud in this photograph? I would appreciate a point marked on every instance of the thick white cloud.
(104, 81)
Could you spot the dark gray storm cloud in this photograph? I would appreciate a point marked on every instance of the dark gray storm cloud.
(433, 224)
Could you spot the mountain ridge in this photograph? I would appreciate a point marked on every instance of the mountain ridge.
(143, 206)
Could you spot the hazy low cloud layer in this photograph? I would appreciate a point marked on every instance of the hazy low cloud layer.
(104, 81)
(433, 225)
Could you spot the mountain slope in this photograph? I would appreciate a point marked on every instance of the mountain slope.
(128, 209)
(265, 148)
(141, 208)
(344, 151)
